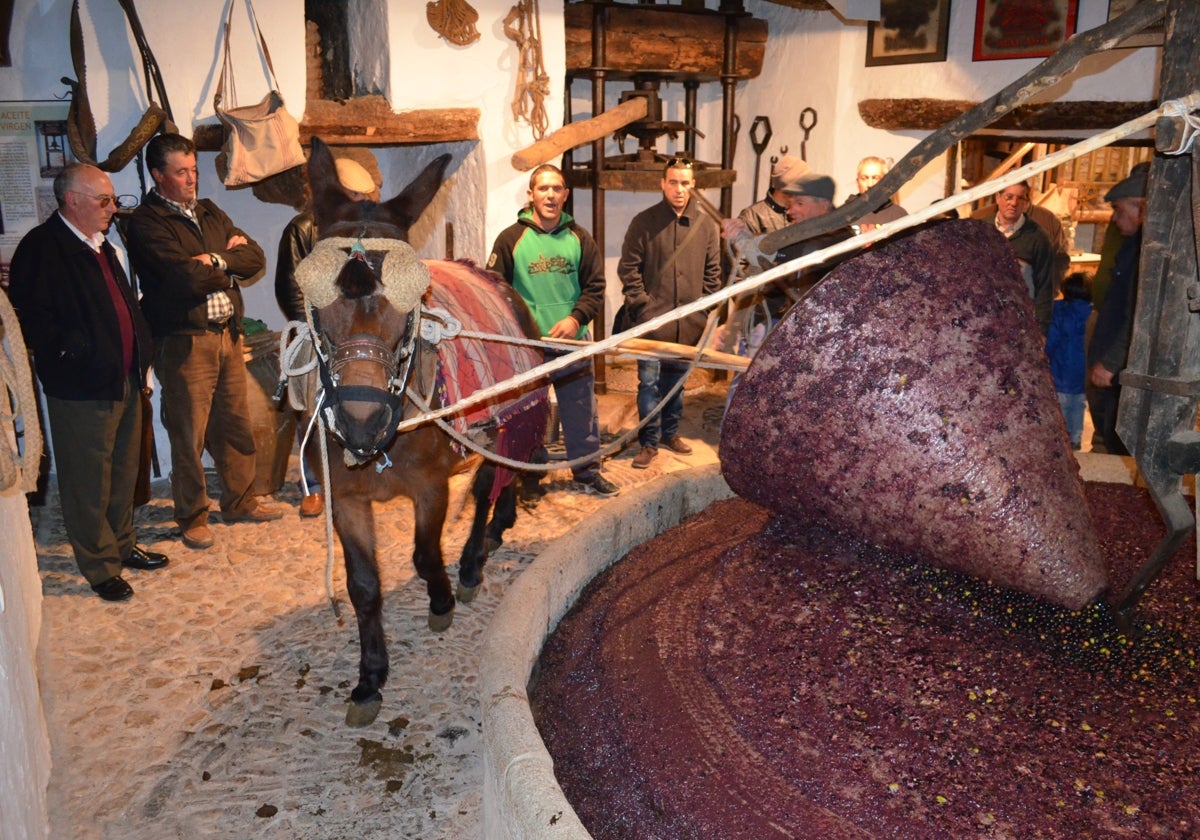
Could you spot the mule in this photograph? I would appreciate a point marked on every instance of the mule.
(373, 351)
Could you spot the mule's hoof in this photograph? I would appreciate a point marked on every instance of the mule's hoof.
(466, 594)
(364, 714)
(441, 623)
(491, 544)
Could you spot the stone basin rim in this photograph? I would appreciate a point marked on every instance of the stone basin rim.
(522, 799)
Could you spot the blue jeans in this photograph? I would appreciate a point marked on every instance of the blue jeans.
(575, 392)
(1072, 406)
(654, 380)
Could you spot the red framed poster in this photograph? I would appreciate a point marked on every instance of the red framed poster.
(1022, 28)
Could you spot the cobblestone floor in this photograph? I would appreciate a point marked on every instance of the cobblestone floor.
(212, 704)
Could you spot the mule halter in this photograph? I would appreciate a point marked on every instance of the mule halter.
(332, 358)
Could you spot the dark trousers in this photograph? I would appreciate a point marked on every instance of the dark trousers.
(655, 380)
(97, 444)
(575, 393)
(204, 404)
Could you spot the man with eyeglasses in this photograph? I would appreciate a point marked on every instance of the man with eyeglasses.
(670, 257)
(1031, 247)
(92, 349)
(191, 258)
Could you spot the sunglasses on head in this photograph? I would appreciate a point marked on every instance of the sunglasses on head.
(679, 163)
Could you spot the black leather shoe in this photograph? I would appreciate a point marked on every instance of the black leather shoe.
(113, 589)
(141, 558)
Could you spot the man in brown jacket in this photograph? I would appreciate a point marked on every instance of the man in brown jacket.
(671, 256)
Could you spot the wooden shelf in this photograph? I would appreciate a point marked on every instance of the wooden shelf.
(367, 121)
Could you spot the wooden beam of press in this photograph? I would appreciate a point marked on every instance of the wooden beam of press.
(575, 134)
(932, 114)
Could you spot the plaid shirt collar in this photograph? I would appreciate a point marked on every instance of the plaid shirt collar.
(188, 209)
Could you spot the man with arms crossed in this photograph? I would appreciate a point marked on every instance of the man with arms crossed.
(189, 257)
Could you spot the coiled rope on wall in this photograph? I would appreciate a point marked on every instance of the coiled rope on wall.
(19, 401)
(533, 82)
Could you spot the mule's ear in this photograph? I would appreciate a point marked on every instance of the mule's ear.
(327, 195)
(408, 206)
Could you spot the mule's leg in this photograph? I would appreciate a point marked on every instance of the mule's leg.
(355, 525)
(504, 516)
(479, 543)
(429, 511)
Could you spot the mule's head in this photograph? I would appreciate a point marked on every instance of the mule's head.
(337, 214)
(366, 284)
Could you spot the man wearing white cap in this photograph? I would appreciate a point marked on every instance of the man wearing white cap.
(297, 242)
(770, 214)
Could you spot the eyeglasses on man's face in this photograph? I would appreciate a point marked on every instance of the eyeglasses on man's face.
(122, 202)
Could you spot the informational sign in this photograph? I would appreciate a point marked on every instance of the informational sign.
(33, 150)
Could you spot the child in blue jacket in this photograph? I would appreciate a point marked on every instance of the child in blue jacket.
(1065, 349)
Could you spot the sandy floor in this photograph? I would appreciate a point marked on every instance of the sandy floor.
(213, 703)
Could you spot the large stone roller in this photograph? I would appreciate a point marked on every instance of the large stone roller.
(907, 401)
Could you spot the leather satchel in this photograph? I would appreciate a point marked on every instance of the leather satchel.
(81, 126)
(260, 140)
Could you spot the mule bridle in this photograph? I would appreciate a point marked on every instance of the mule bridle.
(397, 366)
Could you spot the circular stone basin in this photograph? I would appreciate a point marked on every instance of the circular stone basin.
(739, 678)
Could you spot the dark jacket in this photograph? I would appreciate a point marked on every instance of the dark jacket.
(1114, 323)
(297, 242)
(653, 236)
(1032, 246)
(558, 272)
(764, 216)
(162, 243)
(68, 316)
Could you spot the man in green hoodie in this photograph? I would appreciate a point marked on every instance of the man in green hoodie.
(557, 269)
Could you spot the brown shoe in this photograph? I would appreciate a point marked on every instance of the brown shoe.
(255, 513)
(198, 536)
(677, 444)
(312, 505)
(643, 458)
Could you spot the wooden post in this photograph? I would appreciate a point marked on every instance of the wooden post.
(577, 133)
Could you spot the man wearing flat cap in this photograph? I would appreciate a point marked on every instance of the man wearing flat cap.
(809, 197)
(1109, 347)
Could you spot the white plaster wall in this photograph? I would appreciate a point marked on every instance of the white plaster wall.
(24, 746)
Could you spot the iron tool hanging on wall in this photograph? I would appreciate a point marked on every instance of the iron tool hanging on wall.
(759, 145)
(808, 120)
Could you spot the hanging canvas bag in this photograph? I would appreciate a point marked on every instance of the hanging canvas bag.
(260, 140)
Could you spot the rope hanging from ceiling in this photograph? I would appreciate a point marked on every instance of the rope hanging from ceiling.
(523, 25)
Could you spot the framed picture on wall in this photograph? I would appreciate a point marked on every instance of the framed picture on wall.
(1022, 28)
(1152, 36)
(908, 32)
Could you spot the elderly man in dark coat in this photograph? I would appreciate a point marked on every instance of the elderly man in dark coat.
(92, 349)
